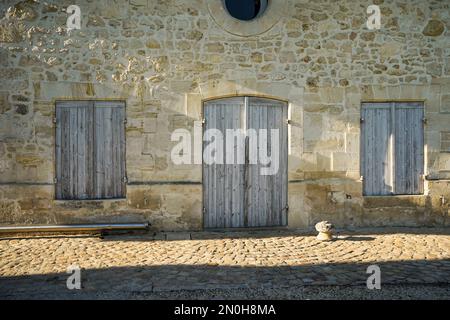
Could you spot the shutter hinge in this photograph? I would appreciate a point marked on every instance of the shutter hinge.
(55, 180)
(125, 121)
(204, 210)
(288, 121)
(125, 179)
(203, 121)
(425, 120)
(287, 207)
(54, 120)
(361, 120)
(361, 178)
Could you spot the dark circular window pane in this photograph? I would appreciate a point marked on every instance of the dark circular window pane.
(246, 9)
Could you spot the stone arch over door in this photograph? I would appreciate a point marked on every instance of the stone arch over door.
(236, 192)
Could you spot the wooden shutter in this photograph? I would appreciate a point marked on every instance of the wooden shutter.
(223, 183)
(376, 137)
(409, 148)
(74, 143)
(392, 148)
(90, 150)
(266, 195)
(109, 150)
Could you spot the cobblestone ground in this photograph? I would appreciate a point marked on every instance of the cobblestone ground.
(258, 264)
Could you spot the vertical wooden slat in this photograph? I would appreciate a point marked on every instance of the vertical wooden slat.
(284, 165)
(65, 180)
(90, 127)
(213, 191)
(98, 153)
(220, 168)
(58, 152)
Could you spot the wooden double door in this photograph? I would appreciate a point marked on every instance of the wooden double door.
(246, 193)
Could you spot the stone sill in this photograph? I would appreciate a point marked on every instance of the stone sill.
(88, 203)
(408, 201)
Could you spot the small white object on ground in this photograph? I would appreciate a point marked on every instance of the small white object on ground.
(325, 231)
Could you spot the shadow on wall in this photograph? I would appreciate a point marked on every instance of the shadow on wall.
(123, 282)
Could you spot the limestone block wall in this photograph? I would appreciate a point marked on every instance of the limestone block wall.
(164, 57)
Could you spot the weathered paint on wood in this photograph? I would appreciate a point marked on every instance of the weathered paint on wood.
(237, 195)
(376, 149)
(109, 151)
(392, 148)
(90, 150)
(223, 183)
(267, 194)
(409, 148)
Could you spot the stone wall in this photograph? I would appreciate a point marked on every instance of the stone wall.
(164, 57)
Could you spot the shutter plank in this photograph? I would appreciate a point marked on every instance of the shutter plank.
(409, 153)
(109, 154)
(268, 193)
(71, 149)
(58, 152)
(376, 157)
(222, 190)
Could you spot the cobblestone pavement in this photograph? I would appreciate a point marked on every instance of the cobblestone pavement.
(275, 264)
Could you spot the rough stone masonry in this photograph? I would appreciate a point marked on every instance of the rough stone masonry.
(164, 57)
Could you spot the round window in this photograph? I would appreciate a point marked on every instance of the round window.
(246, 10)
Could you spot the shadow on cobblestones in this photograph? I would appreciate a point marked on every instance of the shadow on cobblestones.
(123, 281)
(248, 262)
(360, 234)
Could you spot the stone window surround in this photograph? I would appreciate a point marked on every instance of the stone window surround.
(254, 27)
